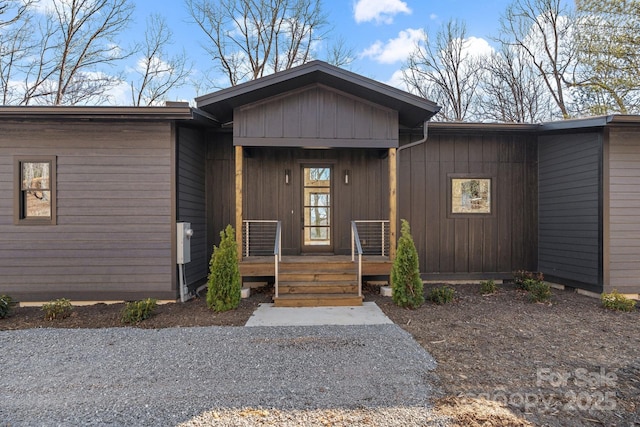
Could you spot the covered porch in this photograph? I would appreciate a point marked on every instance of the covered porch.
(313, 162)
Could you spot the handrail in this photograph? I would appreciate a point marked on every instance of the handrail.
(277, 253)
(356, 246)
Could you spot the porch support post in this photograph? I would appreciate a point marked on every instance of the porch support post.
(393, 203)
(239, 163)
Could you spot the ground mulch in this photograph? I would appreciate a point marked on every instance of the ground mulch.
(502, 360)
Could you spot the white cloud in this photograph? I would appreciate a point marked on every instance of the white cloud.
(380, 11)
(478, 47)
(433, 16)
(397, 80)
(395, 50)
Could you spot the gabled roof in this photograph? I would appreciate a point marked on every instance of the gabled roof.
(412, 110)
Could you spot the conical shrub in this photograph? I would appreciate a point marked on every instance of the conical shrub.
(405, 274)
(224, 275)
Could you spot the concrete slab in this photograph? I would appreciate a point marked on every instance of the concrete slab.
(367, 314)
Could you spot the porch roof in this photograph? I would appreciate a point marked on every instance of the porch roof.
(412, 110)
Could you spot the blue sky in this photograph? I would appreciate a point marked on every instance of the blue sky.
(379, 31)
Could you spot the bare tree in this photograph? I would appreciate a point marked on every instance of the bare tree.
(542, 29)
(446, 72)
(15, 44)
(510, 89)
(78, 43)
(158, 71)
(251, 38)
(608, 44)
(340, 54)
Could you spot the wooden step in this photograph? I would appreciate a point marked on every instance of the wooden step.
(318, 277)
(318, 287)
(317, 300)
(285, 267)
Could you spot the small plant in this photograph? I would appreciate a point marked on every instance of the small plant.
(616, 301)
(224, 276)
(408, 290)
(442, 295)
(488, 287)
(6, 305)
(539, 291)
(525, 279)
(137, 311)
(57, 309)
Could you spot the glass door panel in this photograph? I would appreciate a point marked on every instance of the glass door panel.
(316, 208)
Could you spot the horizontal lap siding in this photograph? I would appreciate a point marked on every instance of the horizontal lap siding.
(114, 222)
(624, 210)
(191, 199)
(466, 245)
(569, 207)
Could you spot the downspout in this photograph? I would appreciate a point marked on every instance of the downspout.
(425, 133)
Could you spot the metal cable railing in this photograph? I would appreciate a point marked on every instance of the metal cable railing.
(263, 238)
(258, 237)
(374, 236)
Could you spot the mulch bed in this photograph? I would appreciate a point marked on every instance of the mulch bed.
(502, 360)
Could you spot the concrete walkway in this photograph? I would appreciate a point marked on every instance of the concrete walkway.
(367, 314)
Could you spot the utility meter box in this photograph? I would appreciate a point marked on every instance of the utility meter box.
(184, 242)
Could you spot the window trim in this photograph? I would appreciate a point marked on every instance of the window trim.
(492, 195)
(18, 208)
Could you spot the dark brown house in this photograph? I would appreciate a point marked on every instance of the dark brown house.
(314, 167)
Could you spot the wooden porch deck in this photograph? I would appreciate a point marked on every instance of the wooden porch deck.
(312, 280)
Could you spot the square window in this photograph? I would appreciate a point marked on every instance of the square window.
(35, 191)
(470, 195)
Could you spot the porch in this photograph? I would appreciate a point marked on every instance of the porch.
(313, 280)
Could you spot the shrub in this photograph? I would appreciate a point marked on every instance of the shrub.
(137, 311)
(539, 291)
(224, 276)
(442, 295)
(57, 309)
(488, 287)
(405, 274)
(6, 305)
(525, 279)
(616, 301)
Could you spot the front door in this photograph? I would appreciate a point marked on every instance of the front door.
(316, 209)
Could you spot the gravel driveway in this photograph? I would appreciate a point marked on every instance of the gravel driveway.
(128, 376)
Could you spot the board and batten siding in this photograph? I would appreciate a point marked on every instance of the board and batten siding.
(315, 116)
(268, 197)
(467, 246)
(115, 226)
(569, 208)
(624, 211)
(220, 184)
(191, 200)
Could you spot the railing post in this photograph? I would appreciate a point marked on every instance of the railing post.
(275, 285)
(352, 244)
(382, 234)
(359, 274)
(247, 240)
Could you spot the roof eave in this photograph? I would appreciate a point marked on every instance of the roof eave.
(96, 113)
(318, 72)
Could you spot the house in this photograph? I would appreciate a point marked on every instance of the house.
(314, 167)
(89, 199)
